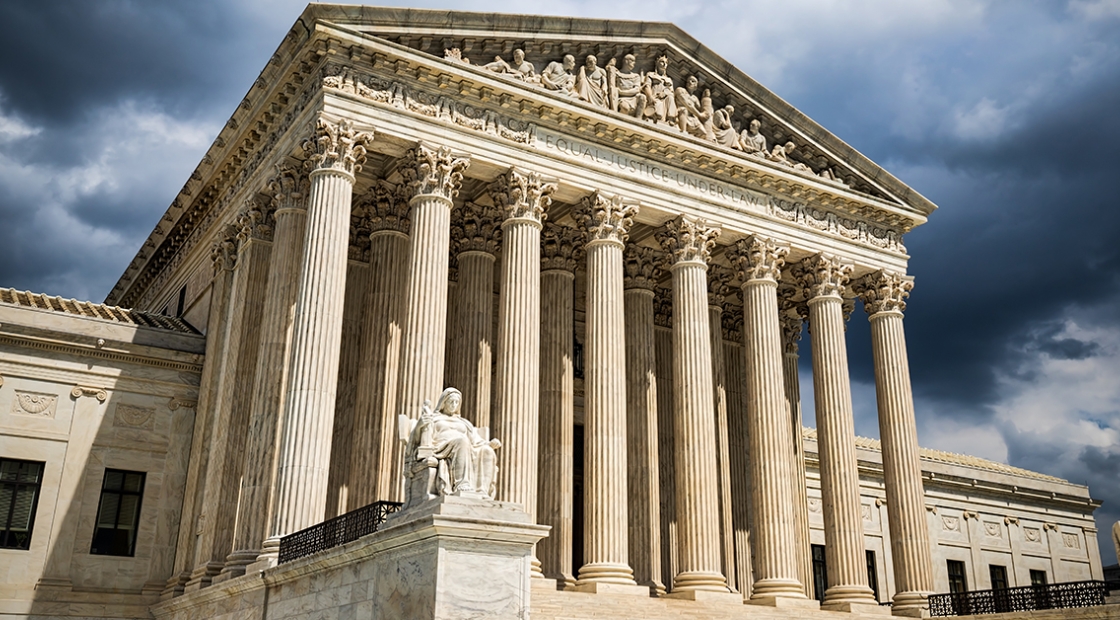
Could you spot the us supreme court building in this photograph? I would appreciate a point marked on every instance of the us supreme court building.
(613, 243)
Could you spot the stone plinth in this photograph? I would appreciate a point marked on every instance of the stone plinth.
(450, 558)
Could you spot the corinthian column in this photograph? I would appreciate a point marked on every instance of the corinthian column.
(522, 198)
(822, 278)
(790, 316)
(337, 153)
(644, 489)
(289, 191)
(884, 298)
(474, 234)
(434, 176)
(606, 221)
(560, 250)
(689, 243)
(759, 261)
(718, 277)
(375, 438)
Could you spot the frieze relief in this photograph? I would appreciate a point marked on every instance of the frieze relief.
(1032, 534)
(993, 529)
(950, 524)
(35, 404)
(132, 416)
(1071, 541)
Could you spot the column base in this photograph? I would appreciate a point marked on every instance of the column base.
(605, 587)
(175, 586)
(785, 602)
(725, 597)
(867, 609)
(911, 604)
(606, 572)
(700, 580)
(203, 576)
(781, 588)
(269, 556)
(838, 596)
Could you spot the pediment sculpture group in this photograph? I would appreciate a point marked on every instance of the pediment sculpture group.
(445, 454)
(649, 96)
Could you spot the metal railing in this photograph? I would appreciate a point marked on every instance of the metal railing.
(337, 531)
(1027, 598)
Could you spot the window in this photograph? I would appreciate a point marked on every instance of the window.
(118, 514)
(19, 496)
(957, 581)
(872, 574)
(999, 576)
(1038, 577)
(820, 572)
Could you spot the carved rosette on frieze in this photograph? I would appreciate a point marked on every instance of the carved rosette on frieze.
(641, 267)
(791, 316)
(561, 248)
(289, 186)
(688, 239)
(224, 252)
(434, 171)
(476, 228)
(337, 146)
(719, 285)
(821, 275)
(606, 218)
(255, 221)
(522, 195)
(663, 307)
(758, 258)
(883, 291)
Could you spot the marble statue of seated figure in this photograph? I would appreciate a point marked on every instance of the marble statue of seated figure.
(446, 454)
(519, 68)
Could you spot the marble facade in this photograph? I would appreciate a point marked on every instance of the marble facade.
(613, 260)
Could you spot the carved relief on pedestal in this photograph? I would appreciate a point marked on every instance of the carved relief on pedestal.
(606, 218)
(337, 146)
(132, 416)
(34, 404)
(883, 291)
(758, 258)
(434, 171)
(641, 267)
(519, 194)
(476, 228)
(561, 248)
(688, 239)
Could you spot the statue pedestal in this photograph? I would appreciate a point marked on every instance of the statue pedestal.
(456, 557)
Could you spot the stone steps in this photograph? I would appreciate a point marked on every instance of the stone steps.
(566, 605)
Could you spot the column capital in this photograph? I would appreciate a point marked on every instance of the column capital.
(688, 239)
(475, 228)
(289, 186)
(791, 316)
(605, 217)
(434, 171)
(385, 208)
(224, 252)
(663, 307)
(822, 275)
(522, 195)
(337, 146)
(360, 226)
(255, 221)
(883, 291)
(641, 267)
(561, 248)
(732, 324)
(719, 285)
(758, 258)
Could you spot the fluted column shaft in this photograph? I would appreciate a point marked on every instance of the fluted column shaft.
(768, 425)
(340, 498)
(901, 466)
(471, 355)
(641, 426)
(517, 390)
(694, 447)
(723, 447)
(800, 495)
(309, 398)
(738, 442)
(836, 444)
(257, 490)
(606, 516)
(557, 424)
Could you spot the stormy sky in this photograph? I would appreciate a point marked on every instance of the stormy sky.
(1005, 114)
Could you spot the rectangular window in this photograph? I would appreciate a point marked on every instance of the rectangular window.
(118, 514)
(1038, 577)
(957, 581)
(872, 573)
(999, 576)
(19, 496)
(820, 572)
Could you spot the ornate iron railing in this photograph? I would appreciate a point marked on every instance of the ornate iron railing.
(1028, 598)
(337, 531)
